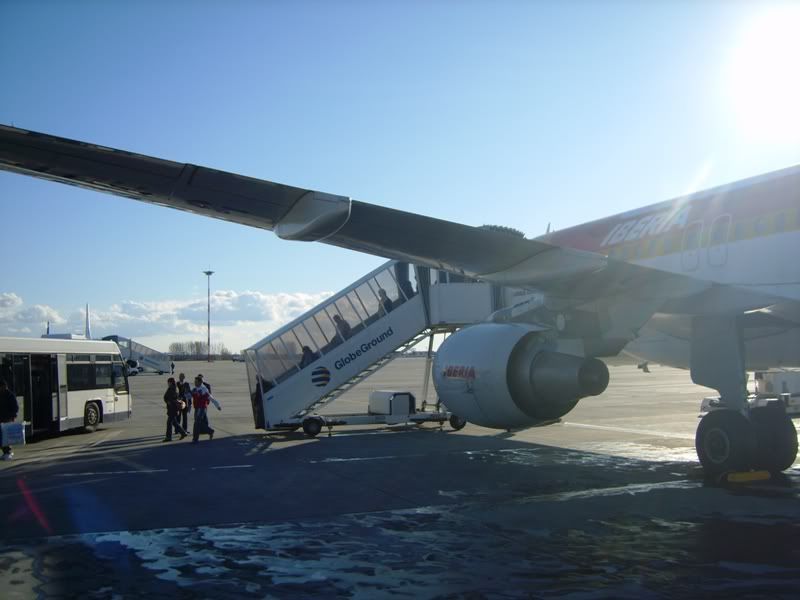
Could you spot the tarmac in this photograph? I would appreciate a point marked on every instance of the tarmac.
(610, 502)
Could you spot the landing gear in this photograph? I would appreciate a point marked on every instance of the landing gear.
(777, 438)
(725, 442)
(728, 441)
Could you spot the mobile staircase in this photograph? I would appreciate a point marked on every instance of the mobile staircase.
(139, 355)
(310, 362)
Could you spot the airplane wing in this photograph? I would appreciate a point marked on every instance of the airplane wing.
(301, 214)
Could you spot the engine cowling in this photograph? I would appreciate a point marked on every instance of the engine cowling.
(506, 376)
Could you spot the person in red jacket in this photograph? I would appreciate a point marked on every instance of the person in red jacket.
(201, 398)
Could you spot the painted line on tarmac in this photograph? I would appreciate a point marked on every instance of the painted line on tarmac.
(141, 471)
(679, 436)
(360, 458)
(93, 473)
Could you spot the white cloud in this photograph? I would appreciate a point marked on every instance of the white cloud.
(238, 319)
(17, 319)
(9, 302)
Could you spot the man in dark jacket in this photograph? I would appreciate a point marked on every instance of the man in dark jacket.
(185, 394)
(8, 412)
(172, 401)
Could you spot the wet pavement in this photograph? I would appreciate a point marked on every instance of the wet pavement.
(369, 513)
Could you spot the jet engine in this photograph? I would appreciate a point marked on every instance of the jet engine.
(507, 376)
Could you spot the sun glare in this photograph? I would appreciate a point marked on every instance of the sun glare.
(764, 76)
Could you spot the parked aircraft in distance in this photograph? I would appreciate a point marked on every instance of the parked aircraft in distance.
(699, 282)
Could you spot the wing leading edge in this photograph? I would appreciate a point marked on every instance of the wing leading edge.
(301, 214)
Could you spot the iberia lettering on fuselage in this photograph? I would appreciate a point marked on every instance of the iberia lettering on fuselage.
(649, 225)
(459, 372)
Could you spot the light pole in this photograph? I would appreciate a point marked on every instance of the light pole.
(209, 274)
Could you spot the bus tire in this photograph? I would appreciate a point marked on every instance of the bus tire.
(91, 416)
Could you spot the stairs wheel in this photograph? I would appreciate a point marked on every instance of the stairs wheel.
(312, 426)
(457, 423)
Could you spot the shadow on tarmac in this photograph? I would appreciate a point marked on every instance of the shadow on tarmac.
(423, 513)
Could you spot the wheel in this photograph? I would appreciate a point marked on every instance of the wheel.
(725, 442)
(312, 426)
(91, 416)
(777, 438)
(457, 423)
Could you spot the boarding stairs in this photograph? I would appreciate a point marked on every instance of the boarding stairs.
(140, 355)
(286, 386)
(372, 369)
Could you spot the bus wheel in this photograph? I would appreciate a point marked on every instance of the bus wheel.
(91, 417)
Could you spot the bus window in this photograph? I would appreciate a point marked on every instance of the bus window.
(79, 377)
(102, 376)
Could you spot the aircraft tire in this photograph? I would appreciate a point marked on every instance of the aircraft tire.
(725, 442)
(312, 426)
(777, 438)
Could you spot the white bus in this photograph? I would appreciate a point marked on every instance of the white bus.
(65, 384)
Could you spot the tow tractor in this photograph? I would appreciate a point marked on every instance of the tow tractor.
(386, 407)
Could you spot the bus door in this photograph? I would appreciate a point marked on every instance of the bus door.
(44, 393)
(122, 397)
(22, 386)
(61, 380)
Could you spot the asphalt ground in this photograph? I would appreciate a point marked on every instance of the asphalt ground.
(608, 503)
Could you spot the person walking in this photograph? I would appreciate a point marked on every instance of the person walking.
(172, 368)
(185, 394)
(201, 398)
(8, 413)
(172, 400)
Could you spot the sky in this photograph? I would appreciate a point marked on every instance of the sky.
(510, 113)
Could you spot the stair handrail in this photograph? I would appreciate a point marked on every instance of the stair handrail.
(317, 308)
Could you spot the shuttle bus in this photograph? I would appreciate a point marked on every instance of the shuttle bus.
(65, 384)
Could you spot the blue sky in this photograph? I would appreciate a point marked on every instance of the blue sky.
(516, 113)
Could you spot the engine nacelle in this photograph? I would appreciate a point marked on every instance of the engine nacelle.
(505, 376)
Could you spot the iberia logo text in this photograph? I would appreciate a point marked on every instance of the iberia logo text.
(459, 372)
